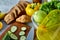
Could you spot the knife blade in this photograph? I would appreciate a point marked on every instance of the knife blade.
(31, 34)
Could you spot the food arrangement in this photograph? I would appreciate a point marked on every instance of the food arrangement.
(31, 8)
(16, 31)
(46, 16)
(39, 16)
(15, 12)
(50, 26)
(16, 19)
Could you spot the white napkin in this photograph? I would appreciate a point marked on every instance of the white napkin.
(6, 5)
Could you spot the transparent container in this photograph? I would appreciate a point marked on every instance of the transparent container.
(34, 23)
(52, 34)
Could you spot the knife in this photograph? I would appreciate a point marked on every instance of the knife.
(31, 34)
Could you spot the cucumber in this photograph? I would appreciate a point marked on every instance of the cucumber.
(23, 38)
(13, 36)
(22, 33)
(9, 32)
(9, 36)
(6, 37)
(13, 28)
(23, 28)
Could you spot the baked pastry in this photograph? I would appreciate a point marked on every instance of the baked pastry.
(16, 11)
(23, 19)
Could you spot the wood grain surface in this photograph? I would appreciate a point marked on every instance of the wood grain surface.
(19, 25)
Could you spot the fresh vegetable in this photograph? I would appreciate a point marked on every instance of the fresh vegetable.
(13, 28)
(9, 32)
(39, 16)
(22, 38)
(6, 37)
(22, 33)
(23, 28)
(1, 25)
(54, 0)
(31, 8)
(10, 36)
(48, 6)
(49, 29)
(13, 37)
(58, 5)
(2, 15)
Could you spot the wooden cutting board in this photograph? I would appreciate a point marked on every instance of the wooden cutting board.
(19, 25)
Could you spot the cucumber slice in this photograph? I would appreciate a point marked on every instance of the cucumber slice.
(23, 28)
(13, 36)
(23, 38)
(9, 32)
(13, 28)
(9, 36)
(22, 33)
